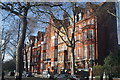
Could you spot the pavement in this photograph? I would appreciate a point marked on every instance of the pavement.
(28, 78)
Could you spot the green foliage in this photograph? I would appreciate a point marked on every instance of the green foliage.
(97, 70)
(116, 71)
(107, 66)
(112, 64)
(97, 77)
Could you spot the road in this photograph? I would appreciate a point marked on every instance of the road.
(30, 78)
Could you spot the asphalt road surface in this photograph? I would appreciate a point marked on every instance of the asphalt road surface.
(30, 78)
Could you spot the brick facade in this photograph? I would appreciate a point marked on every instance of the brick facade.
(95, 31)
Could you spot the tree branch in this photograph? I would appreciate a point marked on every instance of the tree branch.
(66, 42)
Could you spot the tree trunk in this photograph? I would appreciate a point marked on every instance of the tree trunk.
(31, 57)
(72, 61)
(26, 60)
(73, 42)
(19, 60)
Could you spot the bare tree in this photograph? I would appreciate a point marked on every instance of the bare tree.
(71, 10)
(57, 24)
(5, 40)
(20, 9)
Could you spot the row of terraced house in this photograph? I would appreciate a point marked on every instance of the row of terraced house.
(96, 30)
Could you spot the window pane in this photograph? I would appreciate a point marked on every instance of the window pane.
(90, 34)
(92, 21)
(85, 35)
(78, 37)
(84, 23)
(85, 51)
(91, 51)
(80, 16)
(79, 52)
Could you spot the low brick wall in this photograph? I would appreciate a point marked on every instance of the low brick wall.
(116, 78)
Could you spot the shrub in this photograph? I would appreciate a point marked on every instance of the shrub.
(97, 70)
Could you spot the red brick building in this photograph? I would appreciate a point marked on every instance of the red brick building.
(51, 41)
(36, 52)
(96, 31)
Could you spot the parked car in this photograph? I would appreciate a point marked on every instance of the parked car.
(56, 75)
(65, 76)
(74, 77)
(11, 73)
(61, 76)
(24, 73)
(45, 74)
(28, 74)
